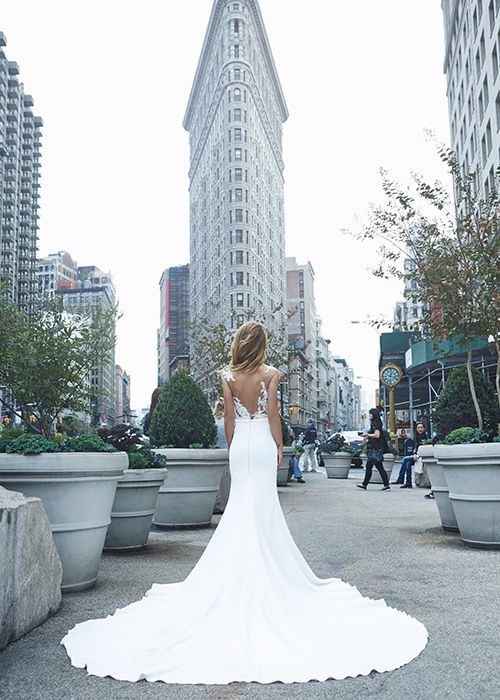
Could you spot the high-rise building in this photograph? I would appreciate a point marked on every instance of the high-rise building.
(471, 64)
(234, 118)
(56, 271)
(302, 341)
(20, 142)
(173, 336)
(122, 396)
(95, 291)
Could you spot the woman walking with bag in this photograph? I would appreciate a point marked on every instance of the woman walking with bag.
(375, 451)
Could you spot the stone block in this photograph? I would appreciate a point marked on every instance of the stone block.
(30, 568)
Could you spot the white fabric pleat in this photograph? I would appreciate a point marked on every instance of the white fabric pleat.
(251, 609)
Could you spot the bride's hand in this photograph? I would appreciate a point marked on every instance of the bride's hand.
(280, 455)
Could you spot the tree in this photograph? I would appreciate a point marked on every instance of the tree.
(47, 357)
(182, 417)
(448, 255)
(455, 408)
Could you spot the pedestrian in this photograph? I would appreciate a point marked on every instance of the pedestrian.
(375, 451)
(294, 471)
(309, 444)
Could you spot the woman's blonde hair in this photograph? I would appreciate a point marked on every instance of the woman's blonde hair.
(249, 347)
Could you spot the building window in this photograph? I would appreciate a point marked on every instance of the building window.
(237, 115)
(237, 95)
(237, 134)
(239, 236)
(239, 257)
(236, 50)
(237, 153)
(491, 13)
(488, 137)
(236, 26)
(486, 92)
(240, 299)
(238, 195)
(238, 174)
(491, 179)
(239, 215)
(237, 74)
(239, 279)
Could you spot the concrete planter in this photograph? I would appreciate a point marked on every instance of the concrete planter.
(133, 508)
(77, 490)
(337, 464)
(439, 487)
(388, 465)
(282, 473)
(472, 473)
(187, 498)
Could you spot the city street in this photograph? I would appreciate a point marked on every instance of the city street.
(388, 544)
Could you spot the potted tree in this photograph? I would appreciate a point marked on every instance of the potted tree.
(472, 472)
(137, 490)
(456, 409)
(183, 430)
(47, 358)
(337, 455)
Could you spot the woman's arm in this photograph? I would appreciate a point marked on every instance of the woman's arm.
(229, 418)
(273, 413)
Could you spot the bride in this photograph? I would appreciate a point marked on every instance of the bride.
(251, 609)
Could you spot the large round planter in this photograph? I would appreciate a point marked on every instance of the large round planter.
(439, 487)
(224, 490)
(388, 465)
(77, 490)
(472, 473)
(337, 464)
(396, 468)
(187, 497)
(282, 473)
(133, 508)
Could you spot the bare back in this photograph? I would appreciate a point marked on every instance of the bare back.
(250, 391)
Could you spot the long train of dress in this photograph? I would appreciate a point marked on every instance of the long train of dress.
(251, 609)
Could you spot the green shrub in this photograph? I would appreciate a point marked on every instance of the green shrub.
(31, 444)
(183, 416)
(34, 444)
(86, 443)
(337, 443)
(466, 436)
(455, 409)
(145, 458)
(7, 435)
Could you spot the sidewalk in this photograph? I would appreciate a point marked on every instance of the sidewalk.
(388, 544)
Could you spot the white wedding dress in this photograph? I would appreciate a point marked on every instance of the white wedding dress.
(251, 609)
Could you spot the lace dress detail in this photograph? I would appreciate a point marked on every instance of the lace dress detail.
(240, 410)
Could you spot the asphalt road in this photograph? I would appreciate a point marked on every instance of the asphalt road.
(388, 544)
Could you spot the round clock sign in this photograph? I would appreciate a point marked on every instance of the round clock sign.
(391, 375)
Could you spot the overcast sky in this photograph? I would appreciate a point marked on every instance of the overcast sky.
(111, 79)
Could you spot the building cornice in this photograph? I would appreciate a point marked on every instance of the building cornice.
(215, 17)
